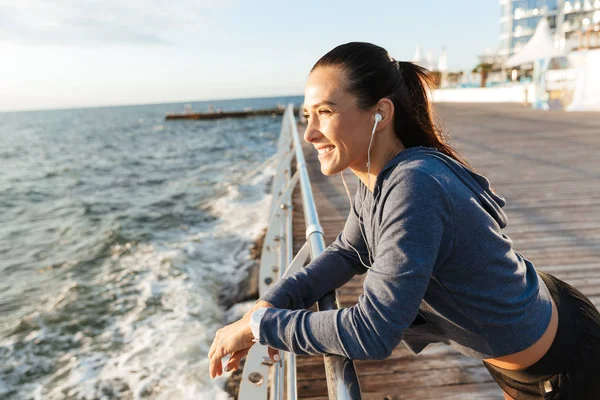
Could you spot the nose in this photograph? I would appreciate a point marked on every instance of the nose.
(311, 133)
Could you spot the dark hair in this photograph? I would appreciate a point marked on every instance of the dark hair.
(373, 74)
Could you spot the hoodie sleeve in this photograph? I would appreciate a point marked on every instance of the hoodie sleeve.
(330, 270)
(415, 236)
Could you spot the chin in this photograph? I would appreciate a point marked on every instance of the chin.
(329, 170)
(326, 172)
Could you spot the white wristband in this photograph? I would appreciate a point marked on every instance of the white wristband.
(255, 318)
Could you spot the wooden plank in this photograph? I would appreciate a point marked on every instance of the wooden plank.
(547, 167)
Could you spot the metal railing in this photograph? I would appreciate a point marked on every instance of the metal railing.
(260, 376)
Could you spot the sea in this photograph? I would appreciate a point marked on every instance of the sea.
(124, 242)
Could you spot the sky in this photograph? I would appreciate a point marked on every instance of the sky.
(85, 53)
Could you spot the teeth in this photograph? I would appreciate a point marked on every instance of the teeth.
(325, 150)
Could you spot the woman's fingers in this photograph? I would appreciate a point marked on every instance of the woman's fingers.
(274, 354)
(216, 367)
(212, 347)
(214, 343)
(236, 358)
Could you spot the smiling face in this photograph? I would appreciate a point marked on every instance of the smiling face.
(337, 127)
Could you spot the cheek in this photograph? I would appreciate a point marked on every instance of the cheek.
(333, 131)
(353, 138)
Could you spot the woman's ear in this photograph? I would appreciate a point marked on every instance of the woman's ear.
(385, 107)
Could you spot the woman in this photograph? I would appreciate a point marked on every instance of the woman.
(426, 230)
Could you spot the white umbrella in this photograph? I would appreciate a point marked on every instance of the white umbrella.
(541, 45)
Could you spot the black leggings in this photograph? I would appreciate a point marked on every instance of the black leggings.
(570, 369)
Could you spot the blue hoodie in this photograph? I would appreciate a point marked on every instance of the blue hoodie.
(442, 271)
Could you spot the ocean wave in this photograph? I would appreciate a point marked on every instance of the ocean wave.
(143, 326)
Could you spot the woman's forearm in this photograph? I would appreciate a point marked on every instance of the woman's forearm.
(342, 260)
(328, 272)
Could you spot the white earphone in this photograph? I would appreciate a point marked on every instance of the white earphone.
(378, 119)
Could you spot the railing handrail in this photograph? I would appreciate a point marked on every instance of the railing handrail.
(342, 380)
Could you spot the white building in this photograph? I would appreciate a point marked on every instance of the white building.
(567, 18)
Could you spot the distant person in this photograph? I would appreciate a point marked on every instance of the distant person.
(210, 108)
(426, 229)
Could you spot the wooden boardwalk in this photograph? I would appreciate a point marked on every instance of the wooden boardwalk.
(547, 166)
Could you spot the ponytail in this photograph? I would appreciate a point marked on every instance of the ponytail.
(414, 122)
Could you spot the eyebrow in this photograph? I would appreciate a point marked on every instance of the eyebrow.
(329, 103)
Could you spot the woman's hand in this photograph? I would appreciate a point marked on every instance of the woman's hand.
(234, 339)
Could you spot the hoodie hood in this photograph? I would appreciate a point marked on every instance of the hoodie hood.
(478, 184)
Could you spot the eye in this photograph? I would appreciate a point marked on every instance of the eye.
(324, 111)
(306, 116)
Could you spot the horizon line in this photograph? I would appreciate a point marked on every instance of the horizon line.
(73, 108)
